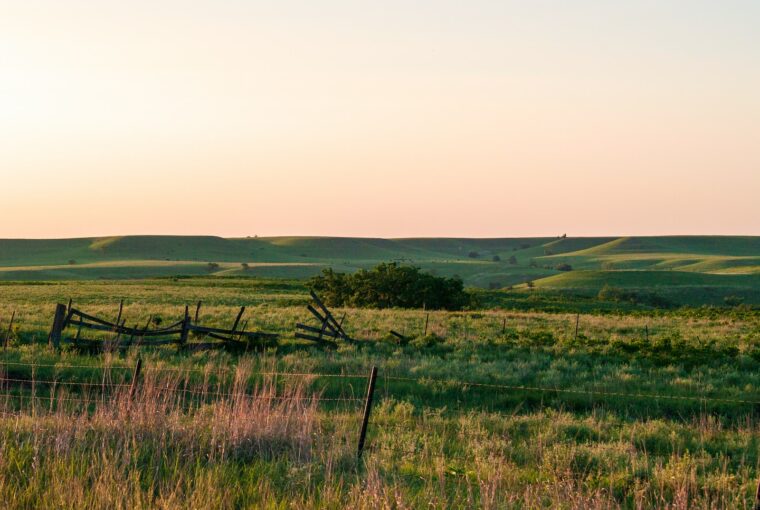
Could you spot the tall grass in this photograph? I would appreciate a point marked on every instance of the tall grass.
(160, 447)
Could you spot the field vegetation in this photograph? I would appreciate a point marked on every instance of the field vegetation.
(528, 400)
(687, 270)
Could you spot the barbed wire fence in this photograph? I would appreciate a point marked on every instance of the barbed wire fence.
(40, 388)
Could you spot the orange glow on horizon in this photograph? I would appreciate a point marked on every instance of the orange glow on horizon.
(480, 120)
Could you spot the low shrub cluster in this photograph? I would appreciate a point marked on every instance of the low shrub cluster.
(390, 285)
(618, 295)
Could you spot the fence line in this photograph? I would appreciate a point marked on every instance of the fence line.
(215, 371)
(424, 380)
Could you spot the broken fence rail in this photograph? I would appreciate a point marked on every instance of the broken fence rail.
(67, 316)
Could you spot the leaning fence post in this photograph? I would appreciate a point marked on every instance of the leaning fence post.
(58, 320)
(121, 310)
(367, 409)
(198, 311)
(10, 330)
(135, 377)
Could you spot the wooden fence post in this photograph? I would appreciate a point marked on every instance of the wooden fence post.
(427, 321)
(121, 310)
(185, 328)
(237, 319)
(197, 311)
(367, 409)
(135, 377)
(58, 320)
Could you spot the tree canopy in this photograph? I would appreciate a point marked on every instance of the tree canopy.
(390, 285)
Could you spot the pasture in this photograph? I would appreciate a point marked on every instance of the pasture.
(686, 270)
(493, 408)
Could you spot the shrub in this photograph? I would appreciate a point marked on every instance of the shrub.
(513, 260)
(563, 267)
(496, 258)
(473, 255)
(618, 295)
(212, 266)
(390, 285)
(72, 262)
(428, 341)
(733, 300)
(245, 266)
(615, 294)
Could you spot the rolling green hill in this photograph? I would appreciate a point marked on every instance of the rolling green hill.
(696, 266)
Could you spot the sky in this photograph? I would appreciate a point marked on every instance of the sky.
(379, 119)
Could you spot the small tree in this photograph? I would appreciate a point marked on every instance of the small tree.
(72, 262)
(496, 258)
(245, 266)
(530, 284)
(513, 260)
(212, 266)
(473, 255)
(563, 267)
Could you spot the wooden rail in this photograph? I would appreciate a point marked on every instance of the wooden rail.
(329, 330)
(177, 333)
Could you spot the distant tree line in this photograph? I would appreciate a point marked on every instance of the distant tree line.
(391, 285)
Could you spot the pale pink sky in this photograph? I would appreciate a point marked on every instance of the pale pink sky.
(385, 119)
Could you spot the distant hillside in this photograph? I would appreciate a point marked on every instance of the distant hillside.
(728, 263)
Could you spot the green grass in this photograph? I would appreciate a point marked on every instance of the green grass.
(679, 266)
(638, 410)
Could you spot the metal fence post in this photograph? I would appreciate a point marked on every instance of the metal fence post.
(367, 409)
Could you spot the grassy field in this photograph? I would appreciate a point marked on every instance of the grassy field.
(687, 270)
(494, 408)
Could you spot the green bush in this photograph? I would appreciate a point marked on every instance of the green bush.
(390, 285)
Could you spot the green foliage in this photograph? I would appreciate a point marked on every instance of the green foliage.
(643, 409)
(618, 295)
(390, 285)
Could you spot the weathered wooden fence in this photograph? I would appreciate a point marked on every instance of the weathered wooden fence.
(184, 333)
(329, 330)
